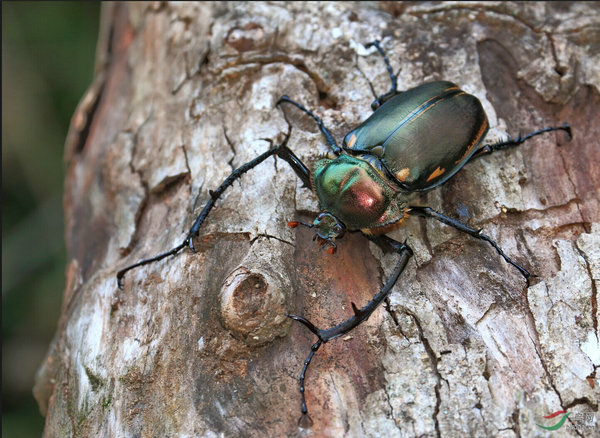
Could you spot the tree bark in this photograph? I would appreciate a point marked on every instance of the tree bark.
(198, 344)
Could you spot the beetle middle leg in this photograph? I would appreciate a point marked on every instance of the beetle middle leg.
(328, 137)
(431, 213)
(512, 142)
(360, 315)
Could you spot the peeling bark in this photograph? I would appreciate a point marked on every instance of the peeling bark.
(198, 344)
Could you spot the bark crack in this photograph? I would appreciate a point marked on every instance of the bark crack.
(144, 202)
(389, 402)
(515, 419)
(485, 314)
(544, 366)
(186, 78)
(478, 405)
(388, 309)
(89, 111)
(434, 365)
(582, 401)
(91, 102)
(187, 161)
(594, 297)
(558, 68)
(527, 211)
(537, 348)
(577, 199)
(426, 240)
(386, 306)
(282, 58)
(344, 412)
(231, 146)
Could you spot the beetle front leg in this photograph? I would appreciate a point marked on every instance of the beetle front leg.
(431, 213)
(512, 142)
(281, 151)
(360, 315)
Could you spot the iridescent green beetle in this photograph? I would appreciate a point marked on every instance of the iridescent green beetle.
(414, 141)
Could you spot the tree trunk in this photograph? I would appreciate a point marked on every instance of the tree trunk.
(198, 344)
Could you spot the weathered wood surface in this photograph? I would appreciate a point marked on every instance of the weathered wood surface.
(197, 345)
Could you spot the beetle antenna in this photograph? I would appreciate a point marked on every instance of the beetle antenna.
(294, 224)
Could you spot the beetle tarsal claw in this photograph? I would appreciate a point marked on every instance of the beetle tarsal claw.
(306, 322)
(305, 422)
(190, 244)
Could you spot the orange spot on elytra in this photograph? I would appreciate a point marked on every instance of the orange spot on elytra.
(293, 224)
(352, 141)
(403, 174)
(437, 172)
(331, 250)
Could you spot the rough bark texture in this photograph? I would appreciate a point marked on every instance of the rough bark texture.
(198, 345)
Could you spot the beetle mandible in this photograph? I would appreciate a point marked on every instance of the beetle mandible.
(414, 141)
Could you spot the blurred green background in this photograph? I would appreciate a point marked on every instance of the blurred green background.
(48, 51)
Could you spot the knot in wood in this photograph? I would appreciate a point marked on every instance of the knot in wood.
(252, 306)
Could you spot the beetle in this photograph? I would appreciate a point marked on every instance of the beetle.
(413, 142)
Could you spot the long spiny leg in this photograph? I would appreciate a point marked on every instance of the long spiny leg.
(330, 140)
(512, 142)
(380, 100)
(431, 213)
(282, 151)
(360, 315)
(305, 419)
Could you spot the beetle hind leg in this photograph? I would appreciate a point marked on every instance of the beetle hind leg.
(360, 315)
(380, 100)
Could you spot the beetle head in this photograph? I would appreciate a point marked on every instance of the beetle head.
(328, 228)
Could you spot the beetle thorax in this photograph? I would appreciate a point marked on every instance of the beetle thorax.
(354, 192)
